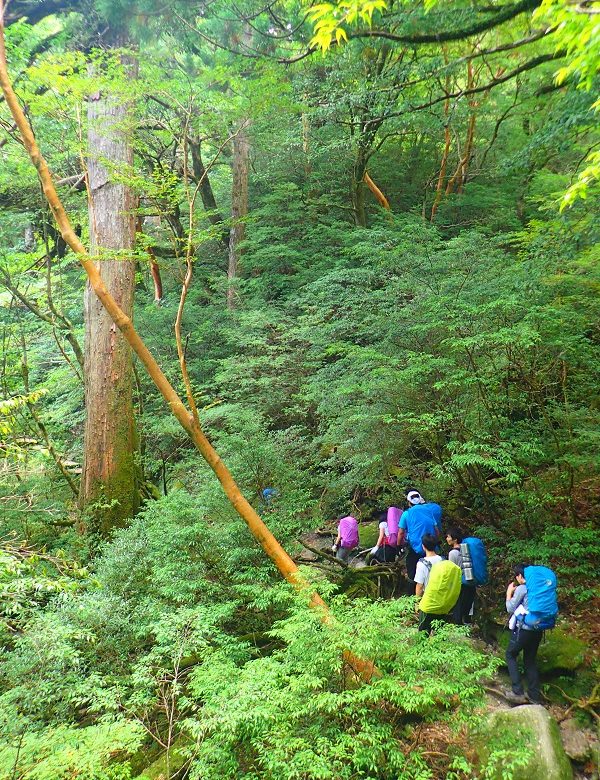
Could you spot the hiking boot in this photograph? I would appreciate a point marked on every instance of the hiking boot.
(531, 700)
(514, 698)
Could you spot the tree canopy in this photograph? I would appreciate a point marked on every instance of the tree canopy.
(344, 249)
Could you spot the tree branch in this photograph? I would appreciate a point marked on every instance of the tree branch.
(504, 15)
(529, 65)
(34, 11)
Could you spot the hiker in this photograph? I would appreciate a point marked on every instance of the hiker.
(386, 549)
(347, 538)
(467, 552)
(425, 564)
(437, 584)
(268, 494)
(531, 602)
(454, 537)
(419, 519)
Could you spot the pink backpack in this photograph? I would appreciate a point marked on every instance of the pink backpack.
(348, 530)
(393, 520)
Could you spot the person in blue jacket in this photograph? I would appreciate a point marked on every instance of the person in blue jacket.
(421, 518)
(267, 496)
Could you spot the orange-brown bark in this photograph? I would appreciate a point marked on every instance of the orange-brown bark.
(257, 527)
(381, 199)
(154, 267)
(156, 277)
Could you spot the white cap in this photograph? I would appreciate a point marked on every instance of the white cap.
(414, 497)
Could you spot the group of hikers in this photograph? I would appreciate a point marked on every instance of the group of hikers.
(446, 587)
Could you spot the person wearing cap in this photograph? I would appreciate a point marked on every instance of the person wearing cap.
(420, 519)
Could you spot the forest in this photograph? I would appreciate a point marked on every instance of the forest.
(265, 264)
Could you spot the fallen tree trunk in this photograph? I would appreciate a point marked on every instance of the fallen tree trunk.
(257, 527)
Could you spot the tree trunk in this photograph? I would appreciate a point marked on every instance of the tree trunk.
(109, 483)
(359, 189)
(305, 123)
(154, 267)
(446, 152)
(206, 191)
(239, 192)
(239, 206)
(379, 196)
(364, 668)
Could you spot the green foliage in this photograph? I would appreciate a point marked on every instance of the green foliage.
(297, 713)
(571, 552)
(62, 752)
(330, 19)
(28, 579)
(459, 354)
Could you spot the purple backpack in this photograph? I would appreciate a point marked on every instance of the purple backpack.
(348, 530)
(393, 520)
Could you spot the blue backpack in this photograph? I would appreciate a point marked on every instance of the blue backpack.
(541, 597)
(478, 558)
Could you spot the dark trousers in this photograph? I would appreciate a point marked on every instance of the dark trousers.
(386, 554)
(528, 642)
(425, 620)
(412, 558)
(461, 614)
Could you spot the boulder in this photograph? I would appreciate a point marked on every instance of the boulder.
(525, 742)
(368, 534)
(164, 768)
(560, 651)
(579, 743)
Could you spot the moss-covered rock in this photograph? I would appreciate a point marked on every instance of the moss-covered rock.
(558, 652)
(523, 742)
(165, 766)
(561, 652)
(368, 534)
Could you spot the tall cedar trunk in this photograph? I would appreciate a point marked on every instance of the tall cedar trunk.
(239, 192)
(365, 668)
(239, 207)
(109, 483)
(446, 152)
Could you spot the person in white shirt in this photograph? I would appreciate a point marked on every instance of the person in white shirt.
(423, 570)
(424, 564)
(386, 549)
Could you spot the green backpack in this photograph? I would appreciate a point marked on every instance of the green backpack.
(443, 588)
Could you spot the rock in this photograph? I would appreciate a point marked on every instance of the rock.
(525, 741)
(368, 534)
(163, 769)
(577, 742)
(560, 652)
